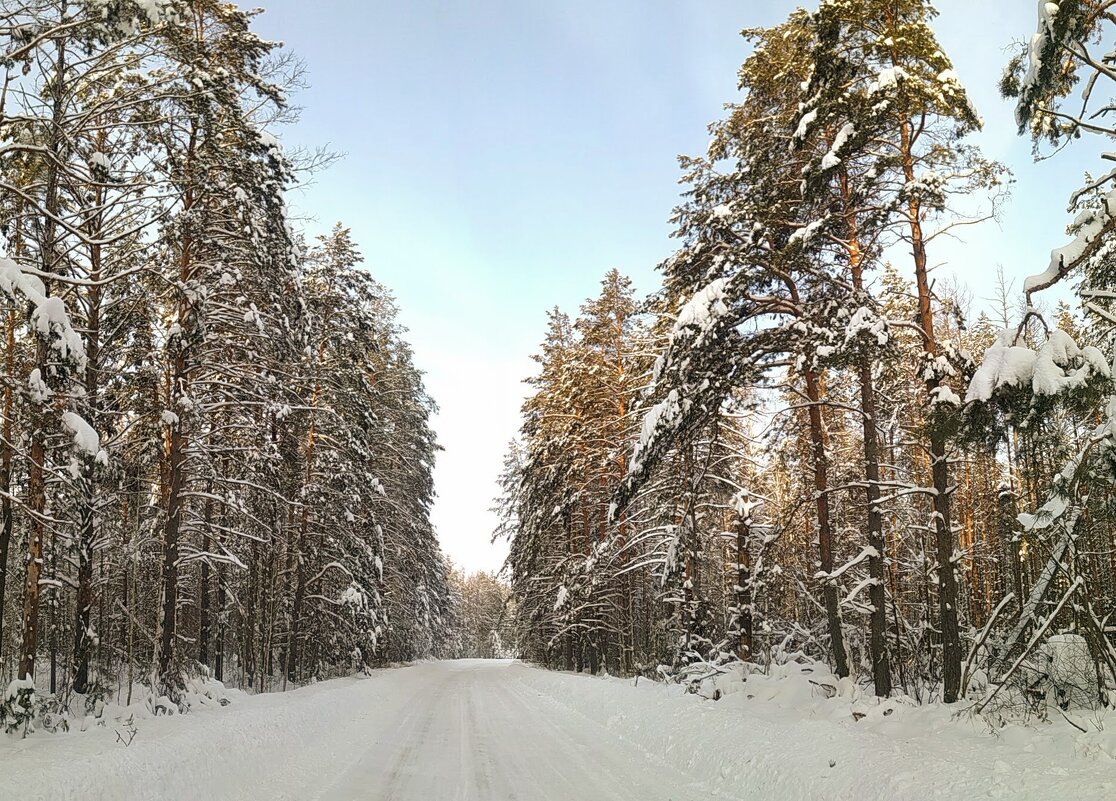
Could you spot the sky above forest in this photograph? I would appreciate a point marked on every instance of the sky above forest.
(502, 155)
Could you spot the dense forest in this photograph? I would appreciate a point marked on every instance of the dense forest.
(803, 446)
(215, 449)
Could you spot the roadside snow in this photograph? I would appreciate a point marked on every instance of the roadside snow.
(781, 737)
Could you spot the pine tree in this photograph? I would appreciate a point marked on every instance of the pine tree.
(883, 83)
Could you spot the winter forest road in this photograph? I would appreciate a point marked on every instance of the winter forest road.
(475, 731)
(469, 730)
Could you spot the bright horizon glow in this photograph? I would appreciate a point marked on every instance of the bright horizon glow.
(502, 156)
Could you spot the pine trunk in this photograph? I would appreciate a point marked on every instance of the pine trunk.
(83, 633)
(743, 611)
(6, 470)
(877, 594)
(820, 457)
(203, 604)
(36, 500)
(939, 459)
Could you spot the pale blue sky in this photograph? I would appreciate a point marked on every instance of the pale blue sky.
(502, 155)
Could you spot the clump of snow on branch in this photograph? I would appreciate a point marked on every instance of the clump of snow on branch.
(37, 387)
(1088, 225)
(806, 233)
(1059, 366)
(86, 438)
(153, 12)
(887, 79)
(353, 596)
(865, 322)
(831, 159)
(700, 319)
(49, 314)
(1050, 511)
(659, 417)
(561, 599)
(703, 310)
(1041, 41)
(804, 124)
(943, 394)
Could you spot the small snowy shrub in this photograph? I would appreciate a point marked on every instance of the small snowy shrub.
(53, 715)
(1071, 673)
(95, 696)
(19, 706)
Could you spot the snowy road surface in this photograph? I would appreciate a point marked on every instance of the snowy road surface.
(444, 731)
(496, 731)
(474, 730)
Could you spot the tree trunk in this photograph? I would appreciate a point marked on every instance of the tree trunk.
(881, 666)
(178, 439)
(743, 611)
(219, 644)
(939, 464)
(877, 594)
(83, 633)
(36, 480)
(6, 470)
(301, 561)
(818, 443)
(947, 576)
(1006, 533)
(171, 530)
(6, 448)
(203, 604)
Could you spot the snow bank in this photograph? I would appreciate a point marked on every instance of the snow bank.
(802, 734)
(265, 742)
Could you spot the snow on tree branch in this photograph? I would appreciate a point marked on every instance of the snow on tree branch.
(48, 315)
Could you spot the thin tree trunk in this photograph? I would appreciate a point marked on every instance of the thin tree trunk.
(301, 562)
(83, 633)
(939, 460)
(178, 443)
(36, 480)
(820, 458)
(6, 458)
(877, 639)
(171, 530)
(203, 605)
(219, 644)
(743, 611)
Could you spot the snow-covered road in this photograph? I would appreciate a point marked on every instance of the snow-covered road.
(476, 731)
(443, 731)
(496, 731)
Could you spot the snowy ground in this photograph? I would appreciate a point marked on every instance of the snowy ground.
(495, 731)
